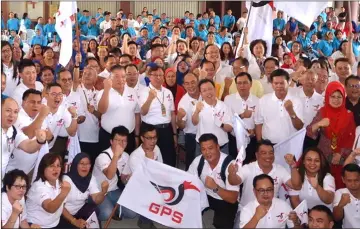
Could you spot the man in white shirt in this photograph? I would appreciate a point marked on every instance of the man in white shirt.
(243, 103)
(158, 109)
(322, 81)
(62, 121)
(240, 24)
(110, 61)
(11, 137)
(347, 200)
(279, 114)
(119, 106)
(88, 131)
(106, 24)
(263, 165)
(109, 166)
(342, 70)
(132, 78)
(211, 167)
(27, 72)
(32, 117)
(212, 115)
(267, 211)
(270, 65)
(212, 54)
(320, 216)
(185, 110)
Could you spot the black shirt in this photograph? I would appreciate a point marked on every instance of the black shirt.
(355, 109)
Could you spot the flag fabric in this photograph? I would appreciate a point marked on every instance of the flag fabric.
(242, 138)
(175, 201)
(63, 26)
(305, 12)
(292, 145)
(92, 221)
(260, 23)
(284, 193)
(302, 212)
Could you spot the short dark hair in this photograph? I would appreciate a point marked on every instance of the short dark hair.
(264, 142)
(204, 81)
(243, 60)
(323, 208)
(25, 63)
(351, 77)
(115, 52)
(62, 70)
(90, 59)
(47, 160)
(350, 168)
(206, 62)
(257, 41)
(276, 61)
(108, 57)
(131, 65)
(48, 68)
(154, 46)
(208, 137)
(125, 55)
(117, 67)
(341, 59)
(243, 74)
(279, 72)
(306, 60)
(119, 130)
(154, 69)
(262, 177)
(50, 85)
(29, 92)
(144, 128)
(132, 43)
(11, 176)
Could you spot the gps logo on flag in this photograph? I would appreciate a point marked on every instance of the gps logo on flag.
(171, 200)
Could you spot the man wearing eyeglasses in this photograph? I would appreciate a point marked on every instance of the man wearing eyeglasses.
(270, 212)
(263, 165)
(352, 87)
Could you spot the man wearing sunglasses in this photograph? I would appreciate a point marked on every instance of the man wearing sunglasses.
(352, 87)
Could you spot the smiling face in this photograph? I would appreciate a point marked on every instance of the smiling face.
(342, 69)
(132, 75)
(259, 50)
(207, 91)
(336, 99)
(54, 97)
(353, 89)
(47, 77)
(119, 78)
(53, 171)
(312, 162)
(157, 78)
(265, 156)
(65, 80)
(190, 84)
(6, 54)
(9, 113)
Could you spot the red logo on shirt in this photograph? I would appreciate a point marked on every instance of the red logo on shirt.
(275, 181)
(252, 108)
(281, 217)
(220, 115)
(316, 107)
(60, 122)
(168, 97)
(131, 98)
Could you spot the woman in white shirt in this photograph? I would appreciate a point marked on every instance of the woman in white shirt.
(83, 186)
(9, 67)
(48, 193)
(318, 186)
(13, 211)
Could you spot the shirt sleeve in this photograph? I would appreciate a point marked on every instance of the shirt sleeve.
(245, 216)
(298, 108)
(102, 161)
(20, 137)
(227, 115)
(67, 119)
(337, 198)
(329, 183)
(258, 116)
(93, 186)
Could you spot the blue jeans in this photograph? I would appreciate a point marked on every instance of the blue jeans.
(106, 207)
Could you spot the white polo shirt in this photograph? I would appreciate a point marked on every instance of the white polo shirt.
(276, 217)
(137, 156)
(267, 86)
(222, 72)
(214, 174)
(102, 162)
(104, 74)
(311, 105)
(154, 115)
(139, 88)
(277, 125)
(75, 200)
(247, 173)
(6, 210)
(8, 145)
(188, 104)
(238, 106)
(88, 131)
(38, 193)
(21, 88)
(121, 109)
(73, 99)
(210, 120)
(62, 118)
(309, 194)
(11, 83)
(19, 158)
(351, 210)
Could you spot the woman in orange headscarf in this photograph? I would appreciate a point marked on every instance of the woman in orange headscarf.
(336, 127)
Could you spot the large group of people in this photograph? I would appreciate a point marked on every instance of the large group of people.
(147, 86)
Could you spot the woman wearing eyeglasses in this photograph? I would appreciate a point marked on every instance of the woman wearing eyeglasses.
(336, 127)
(47, 195)
(318, 186)
(13, 211)
(83, 185)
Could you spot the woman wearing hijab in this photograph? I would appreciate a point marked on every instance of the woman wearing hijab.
(336, 127)
(170, 83)
(77, 209)
(182, 68)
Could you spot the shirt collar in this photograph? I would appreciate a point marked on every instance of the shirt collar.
(274, 98)
(152, 87)
(57, 184)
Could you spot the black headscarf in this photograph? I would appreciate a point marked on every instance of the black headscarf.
(82, 183)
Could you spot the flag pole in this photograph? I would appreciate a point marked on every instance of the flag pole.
(246, 25)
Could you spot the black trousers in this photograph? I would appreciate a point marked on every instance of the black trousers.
(60, 146)
(250, 149)
(224, 212)
(166, 143)
(92, 149)
(104, 141)
(190, 148)
(84, 213)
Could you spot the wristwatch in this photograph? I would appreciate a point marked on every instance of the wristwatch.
(215, 190)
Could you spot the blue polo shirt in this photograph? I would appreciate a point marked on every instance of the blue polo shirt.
(219, 39)
(93, 30)
(144, 46)
(49, 30)
(202, 34)
(356, 48)
(100, 20)
(325, 30)
(205, 21)
(84, 27)
(129, 30)
(217, 21)
(228, 20)
(2, 24)
(326, 47)
(305, 42)
(279, 24)
(27, 23)
(164, 21)
(39, 40)
(41, 28)
(13, 24)
(336, 43)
